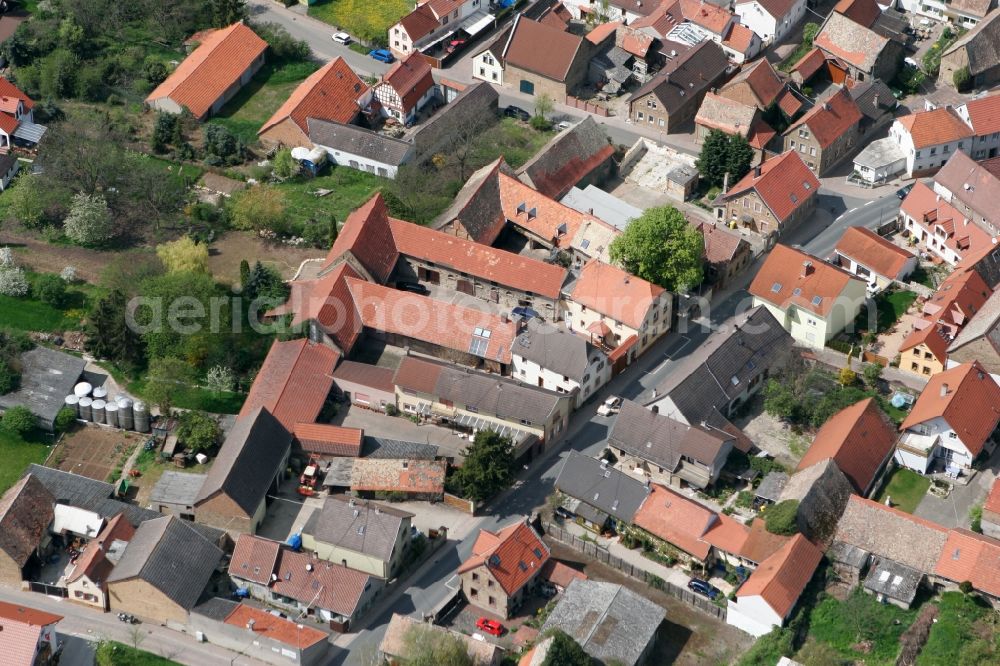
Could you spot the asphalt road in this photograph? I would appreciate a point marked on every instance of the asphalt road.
(870, 214)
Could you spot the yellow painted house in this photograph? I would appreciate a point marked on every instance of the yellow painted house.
(812, 299)
(365, 536)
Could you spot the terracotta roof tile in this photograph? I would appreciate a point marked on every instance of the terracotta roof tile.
(789, 103)
(865, 12)
(858, 438)
(761, 544)
(781, 578)
(760, 77)
(739, 38)
(410, 78)
(26, 510)
(810, 63)
(993, 499)
(330, 93)
(984, 114)
(513, 555)
(727, 534)
(419, 23)
(851, 42)
(721, 245)
(635, 42)
(504, 268)
(945, 313)
(329, 440)
(561, 574)
(542, 49)
(923, 205)
(872, 251)
(389, 475)
(254, 558)
(274, 628)
(784, 280)
(831, 119)
(92, 561)
(212, 69)
(294, 382)
(711, 17)
(935, 127)
(9, 91)
(967, 398)
(429, 320)
(373, 376)
(601, 32)
(318, 583)
(784, 184)
(972, 557)
(677, 520)
(557, 16)
(22, 628)
(614, 293)
(776, 8)
(726, 115)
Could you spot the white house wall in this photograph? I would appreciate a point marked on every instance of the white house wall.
(752, 615)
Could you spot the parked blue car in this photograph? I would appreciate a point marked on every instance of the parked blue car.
(702, 587)
(382, 55)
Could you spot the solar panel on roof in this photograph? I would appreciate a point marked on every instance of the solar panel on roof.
(817, 300)
(478, 346)
(776, 287)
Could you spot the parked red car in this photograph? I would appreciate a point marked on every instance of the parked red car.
(454, 44)
(489, 626)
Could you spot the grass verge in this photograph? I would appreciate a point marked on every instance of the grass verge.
(349, 188)
(906, 488)
(366, 20)
(194, 397)
(17, 454)
(30, 314)
(111, 653)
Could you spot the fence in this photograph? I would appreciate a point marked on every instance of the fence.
(51, 590)
(463, 505)
(602, 555)
(589, 107)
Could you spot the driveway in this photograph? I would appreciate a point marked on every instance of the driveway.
(953, 511)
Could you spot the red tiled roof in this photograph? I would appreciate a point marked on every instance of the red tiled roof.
(946, 312)
(372, 376)
(504, 268)
(367, 235)
(865, 12)
(709, 16)
(727, 534)
(872, 251)
(212, 69)
(330, 93)
(430, 320)
(418, 375)
(809, 64)
(761, 544)
(635, 42)
(831, 119)
(993, 499)
(789, 103)
(784, 183)
(740, 38)
(319, 583)
(326, 301)
(542, 49)
(858, 438)
(601, 32)
(923, 205)
(781, 578)
(329, 440)
(760, 134)
(967, 398)
(972, 557)
(560, 574)
(9, 90)
(294, 382)
(513, 555)
(614, 293)
(254, 558)
(410, 78)
(92, 561)
(393, 475)
(762, 80)
(419, 23)
(783, 280)
(274, 628)
(935, 127)
(557, 16)
(984, 114)
(677, 520)
(22, 628)
(776, 8)
(721, 244)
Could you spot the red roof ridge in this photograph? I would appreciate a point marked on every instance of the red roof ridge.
(329, 81)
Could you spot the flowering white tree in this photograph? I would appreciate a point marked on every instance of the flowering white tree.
(68, 274)
(220, 378)
(6, 257)
(89, 221)
(13, 282)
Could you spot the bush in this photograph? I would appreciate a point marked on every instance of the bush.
(198, 431)
(65, 419)
(19, 421)
(847, 377)
(782, 518)
(769, 648)
(89, 221)
(13, 282)
(541, 123)
(222, 146)
(9, 378)
(965, 587)
(184, 254)
(976, 519)
(50, 289)
(962, 79)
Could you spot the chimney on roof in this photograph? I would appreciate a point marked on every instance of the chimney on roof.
(504, 318)
(756, 171)
(944, 390)
(590, 211)
(875, 101)
(807, 268)
(655, 409)
(725, 183)
(826, 106)
(250, 624)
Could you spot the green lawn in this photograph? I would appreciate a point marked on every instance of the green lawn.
(17, 454)
(860, 620)
(906, 488)
(245, 113)
(953, 638)
(195, 397)
(350, 188)
(516, 141)
(892, 306)
(367, 20)
(110, 653)
(29, 314)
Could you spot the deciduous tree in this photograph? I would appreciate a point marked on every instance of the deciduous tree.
(167, 378)
(259, 207)
(565, 651)
(184, 254)
(89, 221)
(108, 334)
(198, 431)
(18, 420)
(661, 247)
(423, 646)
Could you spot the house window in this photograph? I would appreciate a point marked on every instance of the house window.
(953, 435)
(927, 370)
(482, 71)
(812, 151)
(475, 576)
(490, 583)
(493, 601)
(640, 116)
(791, 142)
(918, 154)
(474, 593)
(662, 123)
(933, 151)
(803, 134)
(494, 76)
(488, 59)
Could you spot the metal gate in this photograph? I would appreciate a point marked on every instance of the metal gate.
(51, 590)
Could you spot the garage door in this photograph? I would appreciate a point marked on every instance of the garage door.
(527, 87)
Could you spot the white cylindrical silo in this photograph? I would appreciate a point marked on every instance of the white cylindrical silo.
(125, 419)
(85, 403)
(97, 410)
(82, 389)
(141, 415)
(111, 414)
(73, 403)
(100, 393)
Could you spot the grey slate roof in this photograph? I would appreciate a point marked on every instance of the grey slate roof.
(662, 440)
(216, 608)
(47, 377)
(874, 98)
(892, 534)
(338, 472)
(771, 486)
(982, 44)
(357, 525)
(382, 447)
(168, 554)
(704, 381)
(601, 486)
(358, 141)
(686, 76)
(177, 488)
(894, 580)
(566, 157)
(554, 348)
(607, 620)
(248, 461)
(478, 205)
